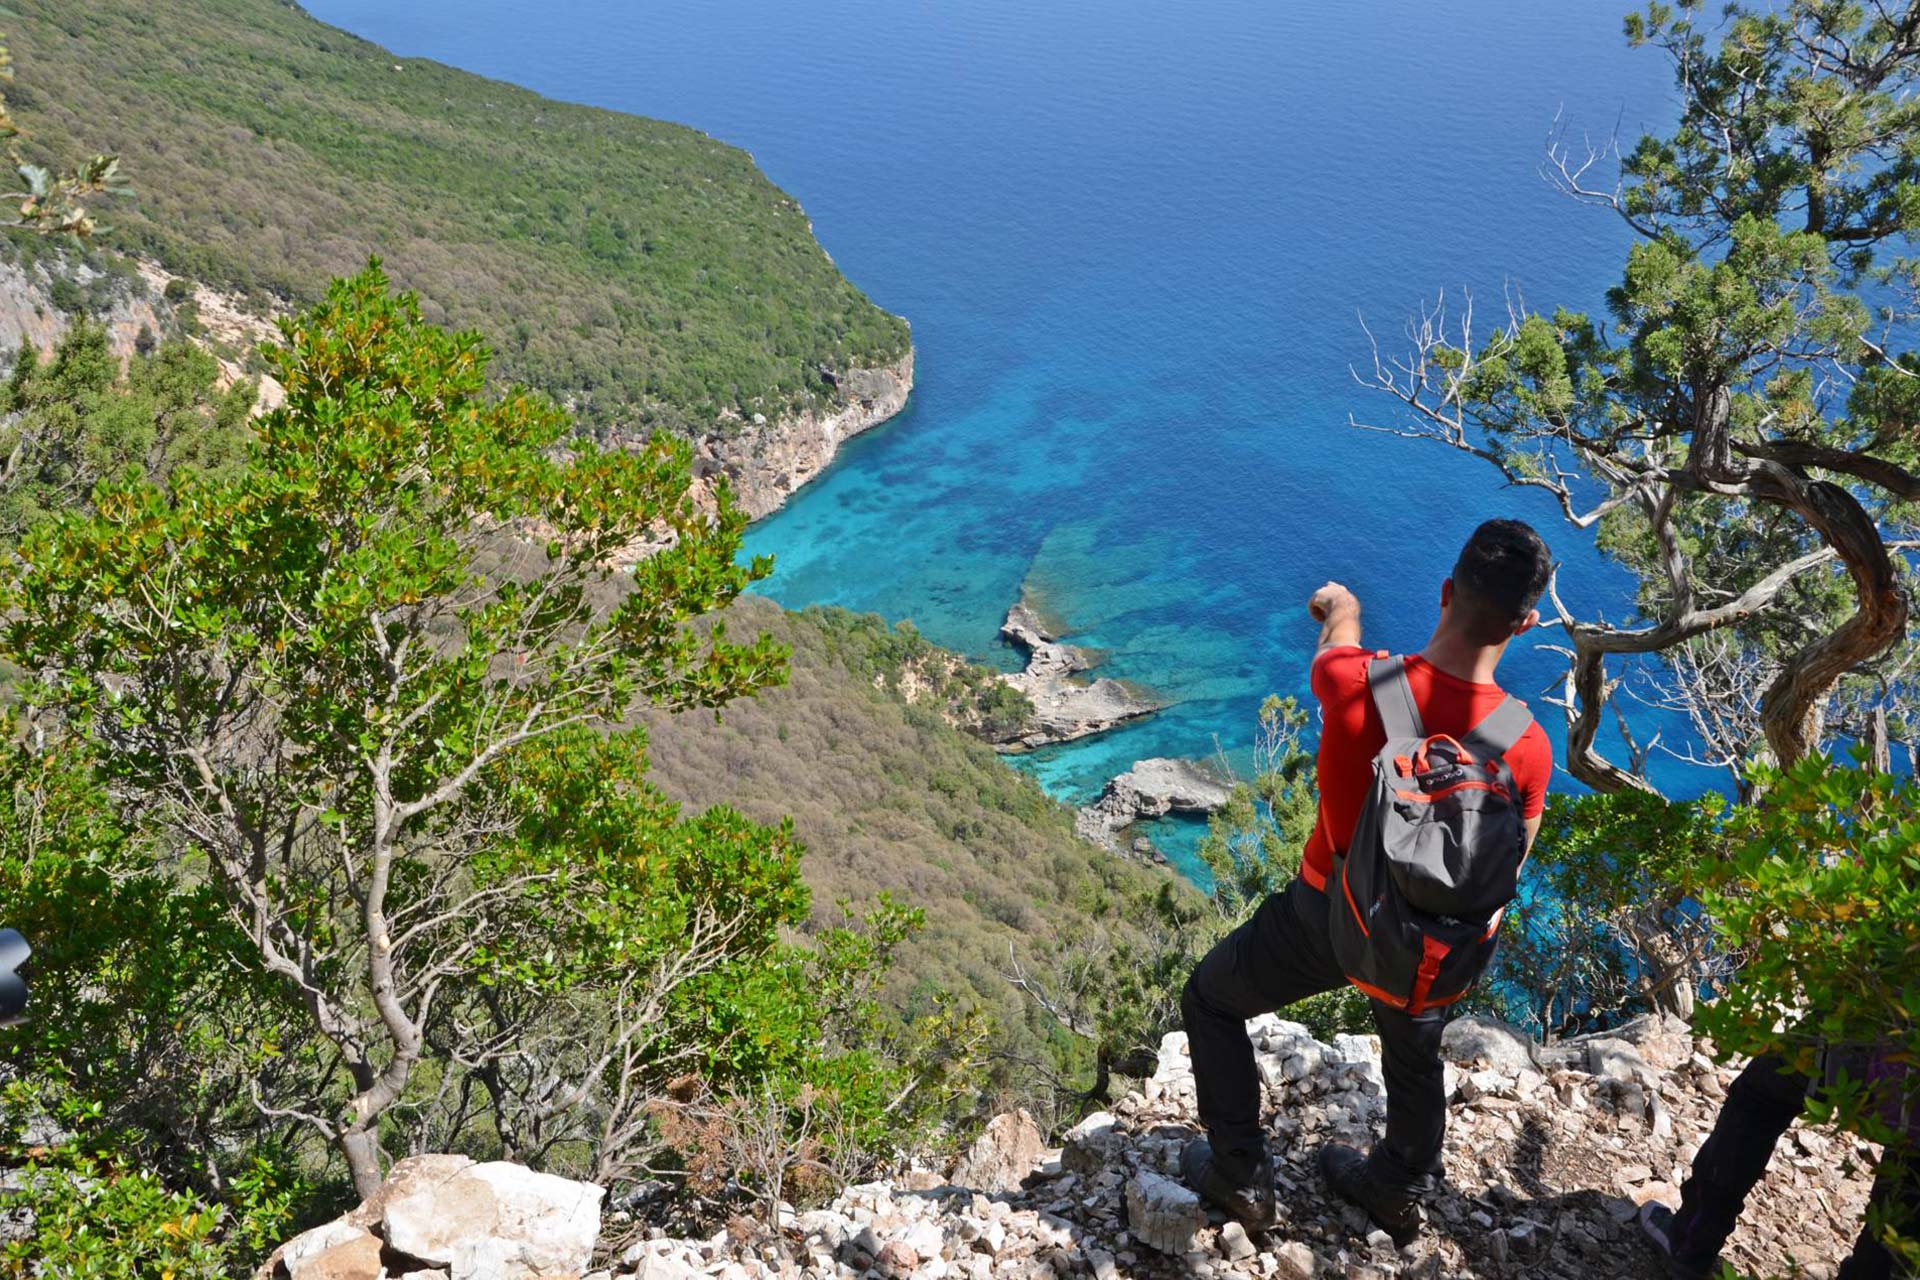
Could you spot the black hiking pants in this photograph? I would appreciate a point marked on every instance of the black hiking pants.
(1761, 1106)
(1281, 955)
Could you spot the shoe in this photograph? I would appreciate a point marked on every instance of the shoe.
(1395, 1212)
(1250, 1201)
(1656, 1221)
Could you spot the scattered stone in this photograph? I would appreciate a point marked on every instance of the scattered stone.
(1545, 1172)
(1234, 1242)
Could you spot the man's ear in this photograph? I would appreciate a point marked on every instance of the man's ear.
(1446, 593)
(1527, 623)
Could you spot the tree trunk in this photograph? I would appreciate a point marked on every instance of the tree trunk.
(361, 1147)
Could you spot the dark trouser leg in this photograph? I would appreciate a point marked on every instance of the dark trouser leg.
(1895, 1201)
(1762, 1104)
(1408, 1158)
(1279, 956)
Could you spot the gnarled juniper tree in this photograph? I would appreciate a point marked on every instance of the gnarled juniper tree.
(1742, 426)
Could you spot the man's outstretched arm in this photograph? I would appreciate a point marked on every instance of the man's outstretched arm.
(1337, 611)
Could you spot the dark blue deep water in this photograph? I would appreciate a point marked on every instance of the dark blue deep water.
(1135, 241)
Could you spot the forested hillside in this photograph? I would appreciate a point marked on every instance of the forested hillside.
(638, 269)
(887, 796)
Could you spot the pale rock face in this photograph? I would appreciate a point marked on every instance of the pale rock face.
(1164, 1214)
(1151, 789)
(497, 1221)
(1007, 1150)
(765, 461)
(334, 1250)
(1486, 1042)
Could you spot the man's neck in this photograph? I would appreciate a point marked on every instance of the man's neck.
(1462, 658)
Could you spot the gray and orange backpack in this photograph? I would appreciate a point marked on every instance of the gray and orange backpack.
(1415, 900)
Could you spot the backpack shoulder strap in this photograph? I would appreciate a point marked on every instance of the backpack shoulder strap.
(1497, 732)
(1393, 698)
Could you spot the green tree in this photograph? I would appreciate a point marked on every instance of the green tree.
(1821, 889)
(319, 676)
(1607, 925)
(1739, 427)
(78, 418)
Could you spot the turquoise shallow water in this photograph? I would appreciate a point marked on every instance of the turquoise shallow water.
(1135, 241)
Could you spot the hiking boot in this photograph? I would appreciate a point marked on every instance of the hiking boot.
(1251, 1201)
(1656, 1221)
(1394, 1211)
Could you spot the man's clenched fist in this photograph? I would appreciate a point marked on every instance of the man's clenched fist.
(1330, 598)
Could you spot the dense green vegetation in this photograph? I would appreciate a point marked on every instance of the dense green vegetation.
(330, 821)
(888, 795)
(639, 270)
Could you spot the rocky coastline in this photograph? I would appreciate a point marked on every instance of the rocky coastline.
(1064, 707)
(767, 459)
(1151, 789)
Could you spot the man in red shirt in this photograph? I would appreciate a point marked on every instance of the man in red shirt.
(1283, 953)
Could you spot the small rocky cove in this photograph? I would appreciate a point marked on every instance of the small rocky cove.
(1151, 789)
(1550, 1151)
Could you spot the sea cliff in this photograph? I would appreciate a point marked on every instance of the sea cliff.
(767, 459)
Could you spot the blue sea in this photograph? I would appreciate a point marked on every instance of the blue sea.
(1142, 246)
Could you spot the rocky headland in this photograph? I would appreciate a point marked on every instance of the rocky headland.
(1064, 707)
(1550, 1152)
(1151, 789)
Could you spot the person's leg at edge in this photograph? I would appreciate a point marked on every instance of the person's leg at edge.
(1407, 1159)
(1279, 956)
(1896, 1197)
(1761, 1105)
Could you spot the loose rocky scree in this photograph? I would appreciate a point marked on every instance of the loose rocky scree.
(1549, 1153)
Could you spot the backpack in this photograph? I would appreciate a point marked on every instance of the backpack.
(1416, 896)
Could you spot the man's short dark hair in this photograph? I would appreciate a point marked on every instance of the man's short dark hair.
(1498, 579)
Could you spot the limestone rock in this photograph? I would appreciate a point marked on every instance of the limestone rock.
(1091, 1144)
(1164, 1214)
(766, 461)
(497, 1221)
(1064, 708)
(1486, 1042)
(1007, 1150)
(1151, 789)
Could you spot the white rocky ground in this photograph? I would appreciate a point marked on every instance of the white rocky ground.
(1548, 1154)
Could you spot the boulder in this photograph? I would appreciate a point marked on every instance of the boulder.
(1476, 1041)
(497, 1221)
(1163, 1214)
(336, 1250)
(1091, 1144)
(1007, 1150)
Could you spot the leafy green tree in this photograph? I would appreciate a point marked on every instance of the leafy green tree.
(319, 676)
(77, 418)
(1821, 889)
(1606, 925)
(1739, 426)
